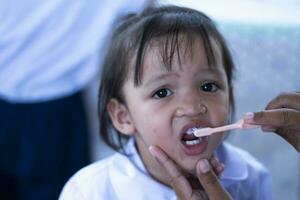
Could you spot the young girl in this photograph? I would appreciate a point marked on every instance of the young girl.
(168, 70)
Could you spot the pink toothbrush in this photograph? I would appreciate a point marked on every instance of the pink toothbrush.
(237, 125)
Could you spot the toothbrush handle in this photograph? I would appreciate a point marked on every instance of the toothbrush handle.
(226, 127)
(237, 125)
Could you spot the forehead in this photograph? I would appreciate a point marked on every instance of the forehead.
(187, 52)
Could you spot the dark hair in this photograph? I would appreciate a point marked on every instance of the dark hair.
(130, 41)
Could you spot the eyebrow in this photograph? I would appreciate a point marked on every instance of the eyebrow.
(160, 77)
(209, 71)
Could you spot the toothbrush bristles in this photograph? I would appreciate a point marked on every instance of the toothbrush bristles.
(194, 129)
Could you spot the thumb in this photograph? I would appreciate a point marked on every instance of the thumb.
(278, 118)
(210, 182)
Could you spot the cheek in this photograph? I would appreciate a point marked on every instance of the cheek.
(157, 131)
(214, 141)
(219, 112)
(219, 116)
(160, 133)
(153, 128)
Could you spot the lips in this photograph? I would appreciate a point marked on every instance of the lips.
(191, 144)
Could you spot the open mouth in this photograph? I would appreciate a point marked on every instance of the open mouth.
(193, 145)
(189, 138)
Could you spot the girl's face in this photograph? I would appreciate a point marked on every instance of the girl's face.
(167, 103)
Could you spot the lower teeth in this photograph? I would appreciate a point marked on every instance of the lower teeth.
(193, 142)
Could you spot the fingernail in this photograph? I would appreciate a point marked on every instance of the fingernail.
(152, 151)
(204, 166)
(222, 167)
(214, 162)
(249, 115)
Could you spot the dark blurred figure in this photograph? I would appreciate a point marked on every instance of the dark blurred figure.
(8, 186)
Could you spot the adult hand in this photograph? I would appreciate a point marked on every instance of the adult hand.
(205, 174)
(282, 116)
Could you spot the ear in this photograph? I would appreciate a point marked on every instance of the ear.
(120, 117)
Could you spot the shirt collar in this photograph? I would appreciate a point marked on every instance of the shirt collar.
(235, 167)
(131, 180)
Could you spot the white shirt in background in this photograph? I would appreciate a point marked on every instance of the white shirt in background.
(51, 49)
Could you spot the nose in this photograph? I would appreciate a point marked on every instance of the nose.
(191, 106)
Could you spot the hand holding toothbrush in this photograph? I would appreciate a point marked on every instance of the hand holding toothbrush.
(281, 116)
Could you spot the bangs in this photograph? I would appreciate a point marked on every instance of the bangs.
(175, 34)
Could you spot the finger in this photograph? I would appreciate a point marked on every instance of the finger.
(201, 194)
(290, 136)
(285, 100)
(218, 167)
(210, 182)
(178, 181)
(277, 118)
(268, 128)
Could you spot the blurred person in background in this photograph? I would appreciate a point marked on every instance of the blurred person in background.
(49, 52)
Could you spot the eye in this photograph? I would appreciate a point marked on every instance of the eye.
(162, 93)
(209, 87)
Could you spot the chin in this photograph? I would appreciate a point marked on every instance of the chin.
(188, 165)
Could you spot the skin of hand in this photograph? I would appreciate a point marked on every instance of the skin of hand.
(206, 174)
(282, 116)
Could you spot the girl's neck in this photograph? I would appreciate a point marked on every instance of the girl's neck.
(159, 173)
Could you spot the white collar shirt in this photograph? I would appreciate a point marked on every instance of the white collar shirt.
(121, 177)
